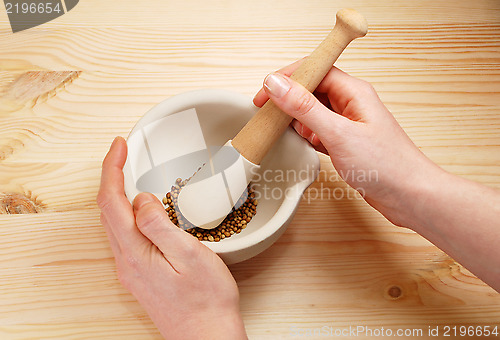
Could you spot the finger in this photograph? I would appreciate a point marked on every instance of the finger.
(344, 90)
(261, 97)
(113, 242)
(293, 99)
(178, 247)
(310, 136)
(115, 207)
(112, 165)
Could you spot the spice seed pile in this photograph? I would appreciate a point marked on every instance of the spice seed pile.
(234, 223)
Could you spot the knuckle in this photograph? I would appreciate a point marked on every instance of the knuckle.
(366, 88)
(191, 249)
(124, 278)
(127, 269)
(102, 218)
(304, 103)
(103, 200)
(132, 262)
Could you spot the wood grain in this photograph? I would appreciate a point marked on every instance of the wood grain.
(435, 64)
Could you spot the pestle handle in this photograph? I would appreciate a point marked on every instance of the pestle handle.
(269, 123)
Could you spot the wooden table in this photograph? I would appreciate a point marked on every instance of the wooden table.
(436, 65)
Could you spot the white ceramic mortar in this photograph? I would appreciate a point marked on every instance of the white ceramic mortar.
(171, 141)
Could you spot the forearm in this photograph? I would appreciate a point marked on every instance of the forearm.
(220, 325)
(462, 218)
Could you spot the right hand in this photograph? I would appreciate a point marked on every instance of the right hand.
(347, 120)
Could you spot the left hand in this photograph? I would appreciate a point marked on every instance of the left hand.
(186, 289)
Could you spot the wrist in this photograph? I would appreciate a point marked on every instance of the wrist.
(205, 326)
(230, 327)
(408, 200)
(222, 326)
(420, 198)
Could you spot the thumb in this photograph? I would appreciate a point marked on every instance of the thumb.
(154, 223)
(296, 101)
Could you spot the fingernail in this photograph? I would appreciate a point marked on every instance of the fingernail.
(311, 138)
(277, 85)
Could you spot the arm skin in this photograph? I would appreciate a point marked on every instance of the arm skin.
(463, 219)
(346, 119)
(185, 288)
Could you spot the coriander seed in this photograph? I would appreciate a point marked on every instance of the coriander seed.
(234, 222)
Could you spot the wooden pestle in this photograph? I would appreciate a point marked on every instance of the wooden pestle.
(205, 203)
(269, 123)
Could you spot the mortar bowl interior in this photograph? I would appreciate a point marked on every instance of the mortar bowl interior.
(216, 116)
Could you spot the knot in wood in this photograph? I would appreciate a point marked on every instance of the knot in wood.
(15, 203)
